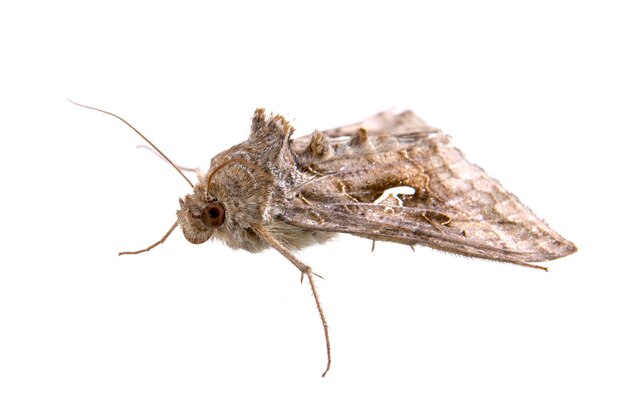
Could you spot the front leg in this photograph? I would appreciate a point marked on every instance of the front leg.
(305, 270)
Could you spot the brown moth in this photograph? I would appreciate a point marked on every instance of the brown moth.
(389, 178)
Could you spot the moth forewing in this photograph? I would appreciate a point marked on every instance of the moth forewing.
(455, 207)
(391, 178)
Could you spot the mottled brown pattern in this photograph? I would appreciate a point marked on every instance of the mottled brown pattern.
(291, 193)
(275, 191)
(456, 207)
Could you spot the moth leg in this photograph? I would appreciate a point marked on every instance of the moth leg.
(374, 246)
(169, 232)
(197, 171)
(305, 270)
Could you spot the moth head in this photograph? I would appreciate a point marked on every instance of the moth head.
(199, 216)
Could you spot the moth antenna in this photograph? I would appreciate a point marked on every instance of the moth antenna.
(169, 232)
(140, 134)
(182, 168)
(233, 161)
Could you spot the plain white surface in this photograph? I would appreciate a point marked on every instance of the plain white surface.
(534, 93)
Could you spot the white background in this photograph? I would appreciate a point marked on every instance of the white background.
(534, 93)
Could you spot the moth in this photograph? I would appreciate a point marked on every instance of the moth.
(391, 177)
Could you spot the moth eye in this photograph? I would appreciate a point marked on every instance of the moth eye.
(213, 214)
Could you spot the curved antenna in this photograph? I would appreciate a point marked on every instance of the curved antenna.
(163, 239)
(140, 134)
(241, 161)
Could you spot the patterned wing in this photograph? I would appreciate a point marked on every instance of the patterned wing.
(445, 202)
